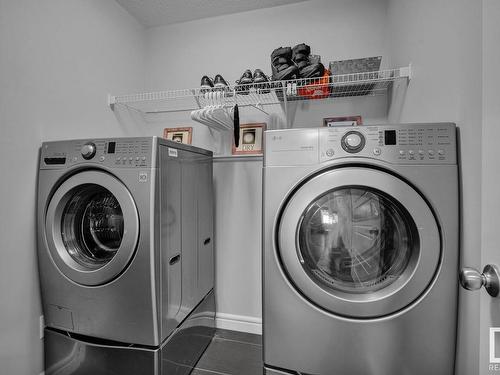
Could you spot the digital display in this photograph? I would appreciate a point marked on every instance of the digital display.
(390, 137)
(111, 147)
(52, 161)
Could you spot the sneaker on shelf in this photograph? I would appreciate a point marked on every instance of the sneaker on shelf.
(206, 84)
(261, 82)
(220, 82)
(244, 84)
(282, 65)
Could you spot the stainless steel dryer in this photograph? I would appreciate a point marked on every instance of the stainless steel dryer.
(125, 246)
(361, 245)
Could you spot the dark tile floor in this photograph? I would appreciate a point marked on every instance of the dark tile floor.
(231, 353)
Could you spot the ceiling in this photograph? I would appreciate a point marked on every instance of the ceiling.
(152, 13)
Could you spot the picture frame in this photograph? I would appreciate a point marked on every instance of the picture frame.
(251, 139)
(343, 121)
(180, 135)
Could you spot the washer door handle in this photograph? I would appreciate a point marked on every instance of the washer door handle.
(472, 279)
(174, 259)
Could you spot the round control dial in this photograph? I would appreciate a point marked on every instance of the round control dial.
(88, 150)
(353, 141)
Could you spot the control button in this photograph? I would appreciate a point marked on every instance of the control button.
(377, 151)
(441, 152)
(143, 158)
(130, 158)
(421, 152)
(353, 141)
(118, 158)
(88, 150)
(102, 158)
(401, 152)
(330, 152)
(137, 158)
(431, 152)
(411, 152)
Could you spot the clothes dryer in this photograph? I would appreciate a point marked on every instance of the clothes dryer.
(360, 250)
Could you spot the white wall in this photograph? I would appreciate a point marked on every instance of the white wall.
(442, 39)
(177, 56)
(58, 61)
(238, 217)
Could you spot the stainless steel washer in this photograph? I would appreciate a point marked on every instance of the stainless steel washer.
(125, 249)
(360, 250)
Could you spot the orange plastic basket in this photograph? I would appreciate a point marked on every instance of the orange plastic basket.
(318, 89)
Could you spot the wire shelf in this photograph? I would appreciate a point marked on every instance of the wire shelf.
(259, 95)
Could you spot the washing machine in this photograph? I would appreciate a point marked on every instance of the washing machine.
(360, 250)
(125, 248)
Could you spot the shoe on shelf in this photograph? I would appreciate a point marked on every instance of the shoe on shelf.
(244, 84)
(220, 82)
(261, 81)
(282, 65)
(206, 84)
(302, 49)
(313, 71)
(301, 58)
(283, 52)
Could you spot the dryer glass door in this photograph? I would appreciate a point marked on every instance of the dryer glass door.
(356, 240)
(92, 227)
(359, 242)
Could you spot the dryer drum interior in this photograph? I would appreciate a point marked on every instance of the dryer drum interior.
(356, 239)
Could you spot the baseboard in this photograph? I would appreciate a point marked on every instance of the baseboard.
(241, 323)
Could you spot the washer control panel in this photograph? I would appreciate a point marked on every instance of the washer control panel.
(113, 153)
(408, 143)
(417, 144)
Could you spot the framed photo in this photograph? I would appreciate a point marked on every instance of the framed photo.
(342, 121)
(181, 135)
(251, 137)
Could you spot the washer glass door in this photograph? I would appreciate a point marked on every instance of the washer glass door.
(92, 227)
(359, 242)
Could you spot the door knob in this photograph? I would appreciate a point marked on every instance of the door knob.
(472, 279)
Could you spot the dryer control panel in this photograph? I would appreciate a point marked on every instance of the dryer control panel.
(398, 144)
(113, 153)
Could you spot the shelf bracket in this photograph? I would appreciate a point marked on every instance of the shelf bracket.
(406, 72)
(111, 101)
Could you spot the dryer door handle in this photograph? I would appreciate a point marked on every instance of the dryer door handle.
(472, 279)
(174, 259)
